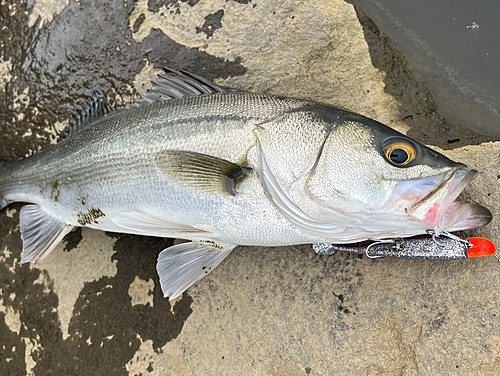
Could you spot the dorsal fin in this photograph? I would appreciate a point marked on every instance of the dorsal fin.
(93, 108)
(176, 84)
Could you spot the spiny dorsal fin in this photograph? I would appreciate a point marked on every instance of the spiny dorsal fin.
(93, 108)
(200, 171)
(176, 84)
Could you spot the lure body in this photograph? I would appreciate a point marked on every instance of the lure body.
(428, 248)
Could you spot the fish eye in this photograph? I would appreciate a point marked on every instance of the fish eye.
(400, 153)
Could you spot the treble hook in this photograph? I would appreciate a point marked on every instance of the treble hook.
(376, 242)
(435, 237)
(458, 239)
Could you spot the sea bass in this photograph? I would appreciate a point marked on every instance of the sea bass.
(221, 167)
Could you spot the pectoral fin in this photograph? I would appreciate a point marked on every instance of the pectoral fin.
(40, 232)
(201, 172)
(183, 264)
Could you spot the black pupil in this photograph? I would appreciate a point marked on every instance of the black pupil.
(399, 156)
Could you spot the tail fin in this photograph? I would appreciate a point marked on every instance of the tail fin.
(4, 180)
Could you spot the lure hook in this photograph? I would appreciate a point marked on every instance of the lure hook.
(435, 237)
(376, 242)
(457, 238)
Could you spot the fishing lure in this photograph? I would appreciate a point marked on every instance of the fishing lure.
(447, 247)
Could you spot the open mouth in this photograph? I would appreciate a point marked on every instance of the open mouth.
(432, 201)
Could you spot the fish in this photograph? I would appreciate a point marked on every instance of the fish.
(220, 167)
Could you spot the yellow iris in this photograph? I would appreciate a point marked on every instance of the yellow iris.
(400, 153)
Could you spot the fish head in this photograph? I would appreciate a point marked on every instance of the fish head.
(385, 184)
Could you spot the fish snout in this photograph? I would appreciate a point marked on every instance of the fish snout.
(440, 210)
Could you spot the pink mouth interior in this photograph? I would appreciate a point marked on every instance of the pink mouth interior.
(432, 200)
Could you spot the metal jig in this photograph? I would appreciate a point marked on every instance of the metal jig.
(445, 246)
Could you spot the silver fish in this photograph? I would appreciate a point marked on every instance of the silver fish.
(221, 168)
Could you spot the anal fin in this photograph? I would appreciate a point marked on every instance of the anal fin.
(40, 232)
(183, 264)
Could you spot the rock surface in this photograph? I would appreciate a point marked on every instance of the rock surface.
(94, 306)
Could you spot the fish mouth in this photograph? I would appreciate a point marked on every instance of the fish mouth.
(432, 201)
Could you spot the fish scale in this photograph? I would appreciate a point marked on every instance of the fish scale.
(131, 166)
(85, 156)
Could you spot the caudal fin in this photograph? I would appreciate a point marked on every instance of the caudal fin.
(41, 232)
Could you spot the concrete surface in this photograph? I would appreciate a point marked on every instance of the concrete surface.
(452, 47)
(94, 305)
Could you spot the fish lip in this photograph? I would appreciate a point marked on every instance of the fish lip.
(454, 181)
(464, 216)
(433, 207)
